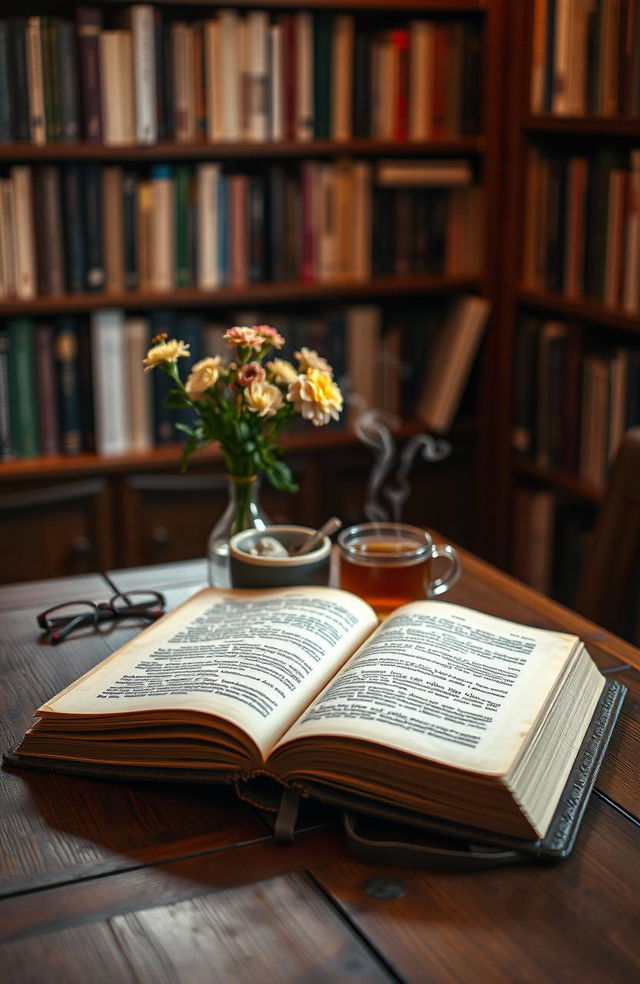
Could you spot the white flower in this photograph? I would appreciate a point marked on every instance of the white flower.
(165, 352)
(203, 375)
(263, 398)
(282, 371)
(316, 397)
(309, 359)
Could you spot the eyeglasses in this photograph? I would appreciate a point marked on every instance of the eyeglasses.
(60, 620)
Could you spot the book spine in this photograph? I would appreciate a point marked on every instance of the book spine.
(160, 71)
(51, 59)
(36, 83)
(163, 419)
(130, 229)
(22, 389)
(88, 26)
(255, 222)
(304, 77)
(109, 374)
(144, 62)
(199, 83)
(94, 259)
(471, 88)
(20, 74)
(183, 226)
(6, 94)
(68, 79)
(323, 74)
(74, 237)
(207, 180)
(276, 83)
(7, 450)
(51, 269)
(113, 227)
(163, 227)
(68, 387)
(138, 385)
(26, 275)
(258, 27)
(46, 389)
(342, 92)
(230, 61)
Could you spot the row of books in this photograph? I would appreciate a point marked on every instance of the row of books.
(573, 401)
(85, 227)
(586, 58)
(236, 75)
(583, 225)
(71, 385)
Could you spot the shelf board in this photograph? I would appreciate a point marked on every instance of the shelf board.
(435, 6)
(242, 150)
(266, 293)
(560, 480)
(583, 310)
(612, 126)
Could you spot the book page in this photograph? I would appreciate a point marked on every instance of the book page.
(254, 658)
(445, 683)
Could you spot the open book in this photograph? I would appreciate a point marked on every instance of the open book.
(441, 710)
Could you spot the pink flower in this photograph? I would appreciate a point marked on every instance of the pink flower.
(250, 373)
(244, 337)
(270, 335)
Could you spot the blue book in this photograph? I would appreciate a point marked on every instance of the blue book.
(73, 228)
(68, 385)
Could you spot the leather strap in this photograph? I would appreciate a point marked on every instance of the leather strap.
(471, 858)
(284, 827)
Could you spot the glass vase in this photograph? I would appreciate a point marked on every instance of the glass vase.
(243, 512)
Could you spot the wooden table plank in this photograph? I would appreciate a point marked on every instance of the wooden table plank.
(279, 931)
(574, 920)
(42, 594)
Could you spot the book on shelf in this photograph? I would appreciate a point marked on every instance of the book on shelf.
(45, 379)
(450, 363)
(7, 449)
(109, 369)
(69, 386)
(23, 394)
(330, 704)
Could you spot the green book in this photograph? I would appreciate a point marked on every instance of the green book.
(23, 396)
(184, 265)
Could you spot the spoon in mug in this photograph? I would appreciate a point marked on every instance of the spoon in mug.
(327, 529)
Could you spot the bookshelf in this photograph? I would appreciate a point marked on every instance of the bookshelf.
(569, 315)
(61, 498)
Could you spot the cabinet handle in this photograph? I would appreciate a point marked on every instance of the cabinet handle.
(160, 537)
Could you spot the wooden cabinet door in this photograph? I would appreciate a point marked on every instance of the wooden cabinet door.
(55, 530)
(168, 517)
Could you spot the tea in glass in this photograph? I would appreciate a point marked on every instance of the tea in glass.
(389, 564)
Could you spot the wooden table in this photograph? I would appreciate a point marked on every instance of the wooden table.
(126, 882)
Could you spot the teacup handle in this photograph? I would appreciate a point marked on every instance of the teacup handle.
(442, 584)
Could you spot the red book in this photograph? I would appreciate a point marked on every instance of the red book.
(400, 43)
(440, 46)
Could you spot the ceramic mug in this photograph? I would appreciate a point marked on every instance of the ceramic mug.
(263, 571)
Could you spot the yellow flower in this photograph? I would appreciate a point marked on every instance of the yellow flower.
(309, 359)
(282, 371)
(316, 397)
(164, 352)
(203, 375)
(263, 398)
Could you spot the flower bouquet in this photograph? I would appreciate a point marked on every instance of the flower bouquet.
(245, 405)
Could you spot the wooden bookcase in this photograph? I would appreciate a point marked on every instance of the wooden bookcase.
(70, 514)
(531, 479)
